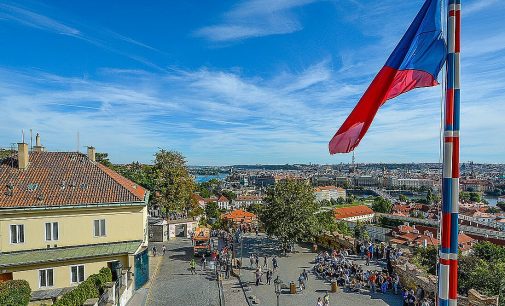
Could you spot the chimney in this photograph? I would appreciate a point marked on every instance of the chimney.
(22, 155)
(38, 147)
(91, 153)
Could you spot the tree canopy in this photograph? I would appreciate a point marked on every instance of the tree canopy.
(289, 211)
(382, 205)
(173, 184)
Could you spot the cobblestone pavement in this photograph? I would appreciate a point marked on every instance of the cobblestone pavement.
(290, 268)
(174, 284)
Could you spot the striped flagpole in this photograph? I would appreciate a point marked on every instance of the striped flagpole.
(448, 262)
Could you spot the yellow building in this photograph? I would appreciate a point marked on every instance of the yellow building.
(64, 216)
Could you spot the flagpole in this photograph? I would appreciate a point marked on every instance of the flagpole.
(448, 261)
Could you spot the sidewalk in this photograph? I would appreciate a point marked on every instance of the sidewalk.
(141, 295)
(233, 294)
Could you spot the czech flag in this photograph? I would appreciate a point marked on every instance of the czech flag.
(414, 63)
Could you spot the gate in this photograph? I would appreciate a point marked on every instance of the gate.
(141, 268)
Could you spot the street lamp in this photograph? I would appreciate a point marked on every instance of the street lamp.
(277, 288)
(501, 301)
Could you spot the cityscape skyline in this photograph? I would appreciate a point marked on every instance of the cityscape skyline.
(128, 89)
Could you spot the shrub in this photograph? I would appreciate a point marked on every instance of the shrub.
(15, 293)
(92, 287)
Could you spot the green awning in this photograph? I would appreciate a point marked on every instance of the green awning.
(67, 253)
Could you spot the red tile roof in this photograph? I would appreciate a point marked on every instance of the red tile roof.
(63, 179)
(322, 188)
(223, 199)
(248, 198)
(352, 211)
(239, 214)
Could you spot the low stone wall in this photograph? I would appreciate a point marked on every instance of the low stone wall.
(413, 277)
(336, 241)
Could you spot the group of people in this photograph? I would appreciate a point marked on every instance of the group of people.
(324, 301)
(338, 267)
(155, 250)
(264, 269)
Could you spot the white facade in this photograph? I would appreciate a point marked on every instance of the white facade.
(329, 192)
(246, 201)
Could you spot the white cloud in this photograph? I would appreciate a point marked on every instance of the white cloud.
(255, 18)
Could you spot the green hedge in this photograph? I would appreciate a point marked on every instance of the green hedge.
(15, 293)
(92, 287)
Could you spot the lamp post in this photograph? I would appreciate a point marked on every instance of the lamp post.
(241, 249)
(277, 286)
(501, 301)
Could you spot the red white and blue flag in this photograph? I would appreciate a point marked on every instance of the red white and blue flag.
(414, 63)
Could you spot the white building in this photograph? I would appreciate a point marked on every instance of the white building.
(246, 201)
(410, 182)
(360, 213)
(223, 202)
(329, 192)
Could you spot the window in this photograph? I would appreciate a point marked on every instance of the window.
(52, 231)
(17, 233)
(46, 278)
(77, 274)
(99, 227)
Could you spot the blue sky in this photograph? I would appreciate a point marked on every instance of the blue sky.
(228, 82)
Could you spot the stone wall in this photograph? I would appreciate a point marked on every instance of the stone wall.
(336, 241)
(413, 277)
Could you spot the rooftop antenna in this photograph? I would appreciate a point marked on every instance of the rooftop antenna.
(31, 140)
(23, 136)
(78, 142)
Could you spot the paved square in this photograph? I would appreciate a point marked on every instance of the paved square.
(290, 268)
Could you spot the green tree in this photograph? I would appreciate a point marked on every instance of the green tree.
(325, 222)
(489, 251)
(382, 205)
(403, 198)
(138, 173)
(340, 201)
(212, 210)
(255, 209)
(173, 184)
(501, 205)
(230, 195)
(289, 212)
(360, 231)
(464, 196)
(103, 158)
(426, 258)
(325, 203)
(475, 197)
(429, 197)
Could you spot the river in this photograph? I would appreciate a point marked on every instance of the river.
(205, 178)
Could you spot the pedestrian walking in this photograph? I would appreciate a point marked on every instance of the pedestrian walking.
(258, 276)
(227, 271)
(305, 275)
(203, 262)
(301, 282)
(154, 251)
(274, 263)
(319, 301)
(192, 266)
(265, 262)
(163, 250)
(326, 299)
(269, 277)
(251, 261)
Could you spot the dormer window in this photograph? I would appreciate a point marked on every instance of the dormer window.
(32, 187)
